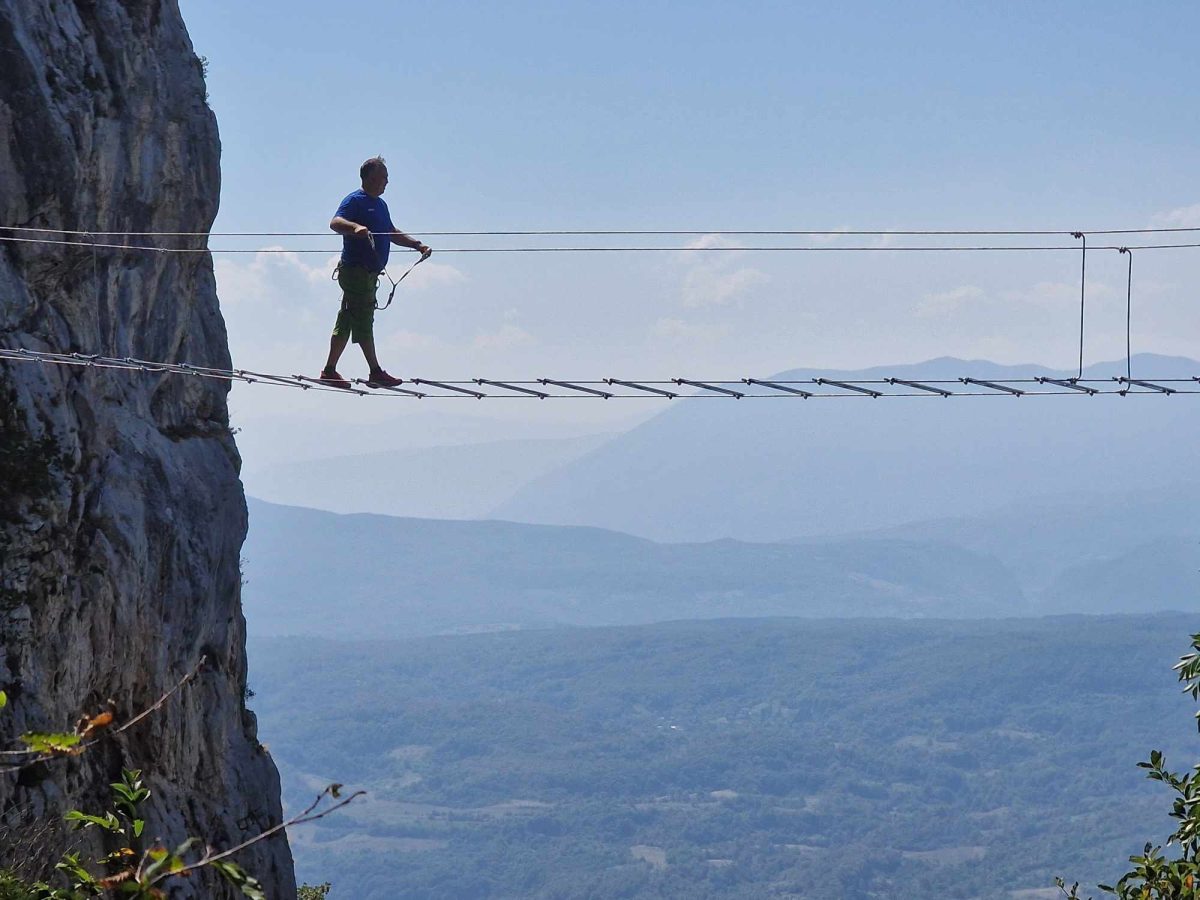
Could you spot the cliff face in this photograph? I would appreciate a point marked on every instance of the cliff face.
(121, 513)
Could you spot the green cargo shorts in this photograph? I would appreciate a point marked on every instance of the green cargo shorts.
(357, 317)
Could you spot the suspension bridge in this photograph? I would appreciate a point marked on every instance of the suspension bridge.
(745, 388)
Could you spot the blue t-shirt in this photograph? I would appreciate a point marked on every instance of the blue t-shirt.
(363, 209)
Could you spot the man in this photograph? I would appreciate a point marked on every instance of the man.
(367, 234)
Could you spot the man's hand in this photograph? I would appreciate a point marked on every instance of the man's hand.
(425, 250)
(350, 229)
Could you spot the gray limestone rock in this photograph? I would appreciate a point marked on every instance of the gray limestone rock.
(121, 512)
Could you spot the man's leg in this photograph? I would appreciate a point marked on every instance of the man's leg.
(378, 377)
(368, 349)
(337, 343)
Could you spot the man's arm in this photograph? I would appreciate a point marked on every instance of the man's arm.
(403, 240)
(348, 228)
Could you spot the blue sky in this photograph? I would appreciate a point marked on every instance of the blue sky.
(708, 116)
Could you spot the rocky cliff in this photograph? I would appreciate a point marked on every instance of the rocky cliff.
(121, 512)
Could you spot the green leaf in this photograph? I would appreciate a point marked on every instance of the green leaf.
(63, 742)
(108, 822)
(249, 887)
(158, 857)
(71, 865)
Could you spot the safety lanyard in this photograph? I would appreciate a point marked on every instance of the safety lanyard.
(396, 282)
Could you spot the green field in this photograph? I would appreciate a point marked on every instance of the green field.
(731, 759)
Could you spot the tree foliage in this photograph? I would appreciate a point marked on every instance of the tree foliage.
(133, 870)
(130, 870)
(1153, 875)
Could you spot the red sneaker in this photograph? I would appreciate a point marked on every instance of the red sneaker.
(380, 378)
(333, 379)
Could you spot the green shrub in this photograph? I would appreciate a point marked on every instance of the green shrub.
(12, 888)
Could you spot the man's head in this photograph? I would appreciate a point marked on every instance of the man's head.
(374, 176)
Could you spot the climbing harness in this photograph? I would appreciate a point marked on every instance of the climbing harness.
(384, 271)
(395, 281)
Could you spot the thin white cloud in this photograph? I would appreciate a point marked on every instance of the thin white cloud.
(432, 275)
(240, 279)
(267, 277)
(706, 241)
(679, 330)
(410, 340)
(1181, 217)
(943, 302)
(711, 286)
(1056, 293)
(829, 239)
(506, 337)
(715, 279)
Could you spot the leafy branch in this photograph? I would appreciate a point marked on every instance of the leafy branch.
(1153, 876)
(140, 880)
(89, 730)
(163, 865)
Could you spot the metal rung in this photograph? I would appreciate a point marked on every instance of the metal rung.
(274, 379)
(848, 386)
(575, 387)
(778, 387)
(641, 387)
(1067, 384)
(448, 387)
(920, 387)
(1145, 384)
(994, 386)
(219, 374)
(306, 382)
(393, 389)
(710, 387)
(512, 387)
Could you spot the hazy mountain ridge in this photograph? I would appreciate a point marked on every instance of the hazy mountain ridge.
(424, 576)
(455, 481)
(1146, 543)
(427, 576)
(773, 470)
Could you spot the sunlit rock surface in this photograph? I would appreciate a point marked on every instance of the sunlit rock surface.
(121, 513)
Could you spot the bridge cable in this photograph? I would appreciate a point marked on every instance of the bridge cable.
(828, 232)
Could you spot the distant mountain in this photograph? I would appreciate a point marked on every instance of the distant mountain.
(317, 573)
(777, 469)
(1093, 552)
(318, 435)
(455, 481)
(1169, 568)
